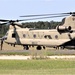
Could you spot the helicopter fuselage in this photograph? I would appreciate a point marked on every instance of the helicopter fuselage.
(35, 37)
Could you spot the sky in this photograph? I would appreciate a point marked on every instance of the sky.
(12, 9)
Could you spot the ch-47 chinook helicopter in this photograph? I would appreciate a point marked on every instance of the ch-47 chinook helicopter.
(61, 37)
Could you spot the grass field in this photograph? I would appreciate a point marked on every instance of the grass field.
(37, 67)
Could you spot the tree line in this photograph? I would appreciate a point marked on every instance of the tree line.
(36, 25)
(41, 25)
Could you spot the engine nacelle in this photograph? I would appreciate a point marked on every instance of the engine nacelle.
(63, 29)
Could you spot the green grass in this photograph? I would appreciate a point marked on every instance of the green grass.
(15, 53)
(37, 67)
(40, 53)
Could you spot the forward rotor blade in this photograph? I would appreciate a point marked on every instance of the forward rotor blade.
(42, 18)
(3, 23)
(3, 20)
(18, 24)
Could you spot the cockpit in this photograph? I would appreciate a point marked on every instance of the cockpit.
(5, 37)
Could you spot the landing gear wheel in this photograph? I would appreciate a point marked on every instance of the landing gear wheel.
(43, 47)
(62, 47)
(39, 48)
(26, 48)
(57, 47)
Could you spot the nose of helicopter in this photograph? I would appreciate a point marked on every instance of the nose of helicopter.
(4, 37)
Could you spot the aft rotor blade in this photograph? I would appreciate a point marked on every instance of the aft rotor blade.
(48, 14)
(42, 18)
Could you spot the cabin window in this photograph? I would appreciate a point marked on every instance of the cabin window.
(45, 36)
(24, 35)
(56, 36)
(48, 36)
(34, 36)
(13, 35)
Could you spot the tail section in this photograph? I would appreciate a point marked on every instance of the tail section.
(70, 21)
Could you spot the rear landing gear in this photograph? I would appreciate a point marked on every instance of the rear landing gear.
(43, 47)
(26, 47)
(60, 47)
(38, 48)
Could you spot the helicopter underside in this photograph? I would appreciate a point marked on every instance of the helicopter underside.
(62, 44)
(69, 44)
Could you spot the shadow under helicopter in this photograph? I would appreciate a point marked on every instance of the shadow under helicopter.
(69, 45)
